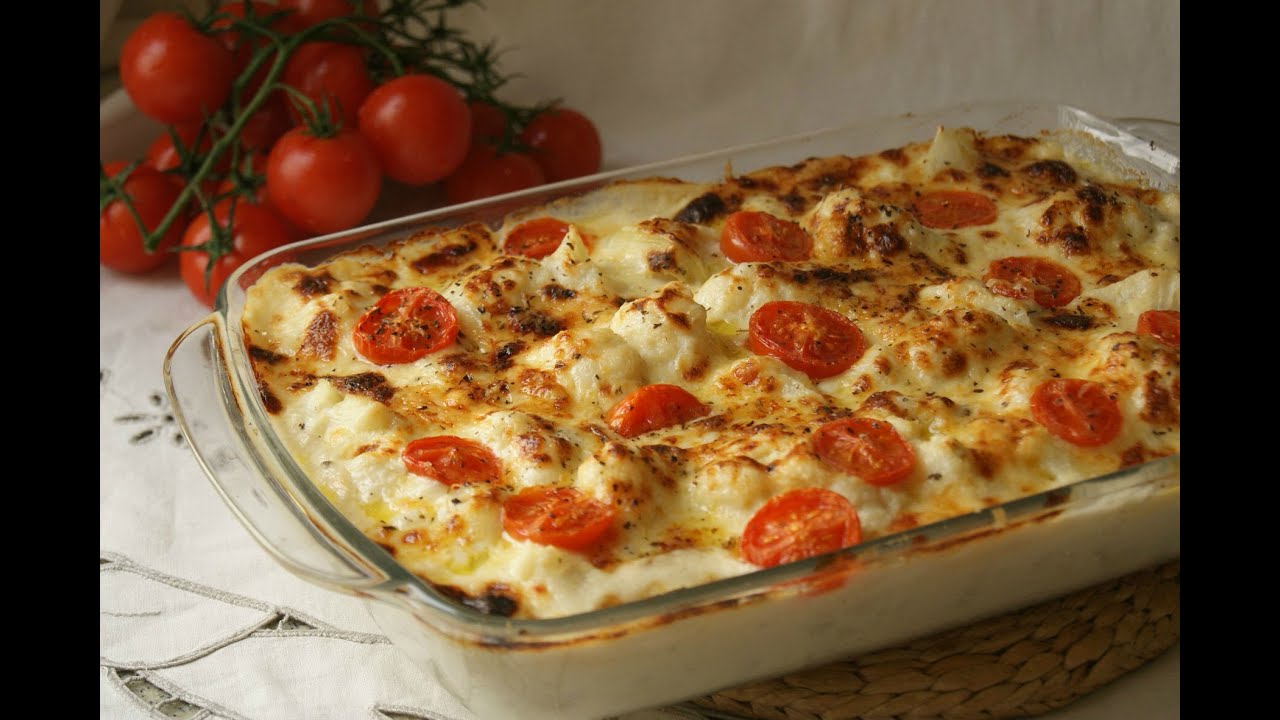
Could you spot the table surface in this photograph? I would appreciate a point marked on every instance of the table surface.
(198, 622)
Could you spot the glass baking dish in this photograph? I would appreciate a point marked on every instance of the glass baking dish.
(696, 640)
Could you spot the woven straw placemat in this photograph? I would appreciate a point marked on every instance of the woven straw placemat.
(1021, 664)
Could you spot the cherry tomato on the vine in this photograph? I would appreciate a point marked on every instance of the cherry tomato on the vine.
(484, 173)
(119, 239)
(323, 184)
(487, 121)
(330, 73)
(309, 12)
(254, 230)
(173, 72)
(566, 144)
(419, 127)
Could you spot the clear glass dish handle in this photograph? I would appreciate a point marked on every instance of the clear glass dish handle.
(200, 393)
(1168, 134)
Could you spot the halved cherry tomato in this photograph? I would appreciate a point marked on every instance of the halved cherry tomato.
(653, 407)
(1044, 281)
(1163, 325)
(565, 144)
(952, 209)
(536, 238)
(814, 340)
(870, 449)
(451, 460)
(1078, 411)
(562, 517)
(799, 524)
(751, 236)
(405, 325)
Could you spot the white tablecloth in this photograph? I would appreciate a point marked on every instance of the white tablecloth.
(198, 622)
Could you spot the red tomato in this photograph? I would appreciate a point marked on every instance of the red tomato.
(653, 407)
(331, 74)
(419, 127)
(1163, 325)
(254, 230)
(119, 239)
(1044, 281)
(799, 524)
(750, 236)
(487, 121)
(484, 174)
(1078, 411)
(536, 238)
(309, 12)
(172, 72)
(814, 340)
(404, 325)
(265, 126)
(451, 460)
(870, 449)
(163, 155)
(562, 517)
(565, 143)
(323, 185)
(952, 209)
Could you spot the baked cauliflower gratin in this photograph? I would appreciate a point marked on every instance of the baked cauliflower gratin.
(661, 383)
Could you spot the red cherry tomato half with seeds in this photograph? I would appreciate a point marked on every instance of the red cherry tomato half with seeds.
(173, 72)
(451, 460)
(654, 407)
(536, 238)
(485, 174)
(800, 524)
(816, 341)
(1078, 411)
(419, 127)
(750, 236)
(254, 230)
(566, 144)
(323, 185)
(561, 517)
(1044, 281)
(1163, 325)
(954, 209)
(870, 449)
(405, 325)
(119, 238)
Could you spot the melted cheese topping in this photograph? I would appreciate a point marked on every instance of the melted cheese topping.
(638, 293)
